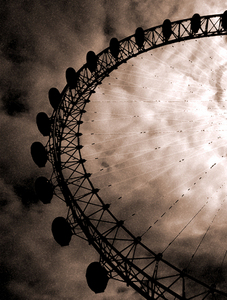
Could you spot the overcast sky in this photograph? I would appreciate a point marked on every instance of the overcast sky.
(39, 40)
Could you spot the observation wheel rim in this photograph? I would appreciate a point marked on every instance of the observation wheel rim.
(55, 138)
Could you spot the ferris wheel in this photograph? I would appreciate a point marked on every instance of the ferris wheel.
(123, 254)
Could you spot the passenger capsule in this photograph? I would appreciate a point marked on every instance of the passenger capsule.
(114, 47)
(167, 29)
(54, 97)
(39, 154)
(71, 77)
(224, 20)
(44, 189)
(91, 61)
(139, 36)
(97, 278)
(43, 123)
(195, 23)
(61, 231)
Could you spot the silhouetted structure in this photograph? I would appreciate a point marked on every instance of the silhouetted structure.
(151, 276)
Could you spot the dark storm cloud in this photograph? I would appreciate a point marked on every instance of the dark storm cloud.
(15, 102)
(25, 191)
(5, 277)
(17, 48)
(13, 50)
(108, 28)
(22, 274)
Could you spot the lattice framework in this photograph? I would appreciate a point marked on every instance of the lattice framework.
(123, 255)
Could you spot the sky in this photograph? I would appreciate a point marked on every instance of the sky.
(39, 40)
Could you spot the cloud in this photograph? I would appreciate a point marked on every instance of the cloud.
(14, 102)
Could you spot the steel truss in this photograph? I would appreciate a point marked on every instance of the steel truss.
(124, 256)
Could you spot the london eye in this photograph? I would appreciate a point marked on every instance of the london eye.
(101, 163)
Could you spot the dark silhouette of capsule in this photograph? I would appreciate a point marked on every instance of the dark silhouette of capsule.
(91, 61)
(97, 278)
(43, 123)
(39, 154)
(71, 77)
(195, 23)
(139, 36)
(44, 189)
(54, 97)
(114, 47)
(224, 20)
(167, 29)
(61, 231)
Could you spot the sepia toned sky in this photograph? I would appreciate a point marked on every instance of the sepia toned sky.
(39, 40)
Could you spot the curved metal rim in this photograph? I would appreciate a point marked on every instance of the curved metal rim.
(211, 25)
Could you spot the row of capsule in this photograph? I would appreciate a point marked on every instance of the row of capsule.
(140, 38)
(91, 59)
(43, 122)
(195, 25)
(38, 152)
(96, 274)
(43, 187)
